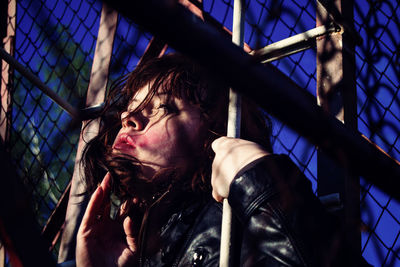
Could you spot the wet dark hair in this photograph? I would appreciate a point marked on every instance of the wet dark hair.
(180, 78)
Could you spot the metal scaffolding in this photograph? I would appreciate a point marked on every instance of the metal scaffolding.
(328, 120)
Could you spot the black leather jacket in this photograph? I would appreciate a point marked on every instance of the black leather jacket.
(280, 222)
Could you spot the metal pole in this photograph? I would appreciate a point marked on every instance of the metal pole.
(336, 15)
(8, 23)
(36, 81)
(234, 118)
(337, 94)
(293, 44)
(96, 93)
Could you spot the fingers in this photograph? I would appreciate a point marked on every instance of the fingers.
(217, 196)
(223, 170)
(131, 233)
(231, 156)
(106, 183)
(92, 209)
(220, 142)
(97, 205)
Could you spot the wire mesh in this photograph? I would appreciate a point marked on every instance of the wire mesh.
(268, 22)
(56, 40)
(129, 45)
(378, 79)
(378, 104)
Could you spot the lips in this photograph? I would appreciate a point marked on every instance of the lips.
(124, 141)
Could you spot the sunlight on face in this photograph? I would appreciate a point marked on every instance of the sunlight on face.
(163, 134)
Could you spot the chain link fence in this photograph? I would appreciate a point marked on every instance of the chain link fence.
(56, 41)
(43, 136)
(378, 80)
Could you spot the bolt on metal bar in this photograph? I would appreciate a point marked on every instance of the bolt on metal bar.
(37, 82)
(337, 17)
(292, 45)
(233, 130)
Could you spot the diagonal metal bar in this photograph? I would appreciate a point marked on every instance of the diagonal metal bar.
(155, 48)
(292, 45)
(54, 224)
(267, 86)
(42, 86)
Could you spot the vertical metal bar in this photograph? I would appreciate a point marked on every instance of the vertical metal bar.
(95, 95)
(2, 255)
(234, 122)
(8, 14)
(336, 93)
(6, 71)
(196, 10)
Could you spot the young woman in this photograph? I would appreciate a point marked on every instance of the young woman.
(162, 152)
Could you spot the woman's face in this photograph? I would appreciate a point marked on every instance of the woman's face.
(163, 134)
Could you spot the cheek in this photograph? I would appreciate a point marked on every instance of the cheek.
(152, 138)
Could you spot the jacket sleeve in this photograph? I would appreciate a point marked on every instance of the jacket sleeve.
(283, 222)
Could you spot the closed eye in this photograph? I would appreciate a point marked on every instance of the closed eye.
(169, 108)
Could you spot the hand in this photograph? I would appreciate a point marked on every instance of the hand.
(102, 241)
(231, 156)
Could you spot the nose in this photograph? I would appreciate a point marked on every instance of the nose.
(133, 120)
